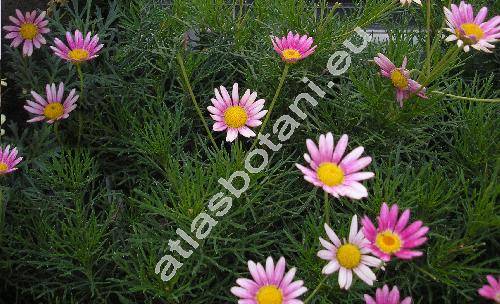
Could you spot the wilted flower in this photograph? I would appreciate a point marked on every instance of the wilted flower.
(408, 2)
(8, 160)
(53, 108)
(80, 49)
(270, 285)
(491, 290)
(469, 31)
(2, 120)
(293, 48)
(330, 170)
(384, 296)
(28, 29)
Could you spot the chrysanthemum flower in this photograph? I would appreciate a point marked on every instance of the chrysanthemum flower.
(53, 108)
(269, 285)
(384, 296)
(336, 174)
(293, 48)
(492, 290)
(80, 49)
(8, 160)
(28, 28)
(235, 114)
(348, 256)
(408, 2)
(393, 236)
(400, 77)
(469, 31)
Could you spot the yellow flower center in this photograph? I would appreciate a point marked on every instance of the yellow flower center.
(330, 174)
(3, 167)
(388, 242)
(472, 29)
(349, 256)
(78, 55)
(53, 110)
(235, 117)
(28, 31)
(269, 294)
(399, 80)
(291, 55)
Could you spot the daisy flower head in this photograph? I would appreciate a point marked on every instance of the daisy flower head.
(293, 47)
(337, 174)
(409, 2)
(470, 31)
(385, 296)
(400, 77)
(53, 108)
(269, 285)
(8, 160)
(234, 114)
(491, 290)
(348, 256)
(79, 49)
(27, 29)
(393, 236)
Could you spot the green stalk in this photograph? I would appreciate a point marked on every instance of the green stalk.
(80, 119)
(180, 60)
(80, 76)
(56, 131)
(327, 209)
(315, 291)
(428, 40)
(467, 98)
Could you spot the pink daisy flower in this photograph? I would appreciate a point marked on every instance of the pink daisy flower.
(8, 160)
(393, 236)
(348, 256)
(28, 28)
(384, 296)
(293, 48)
(330, 170)
(53, 108)
(492, 290)
(469, 31)
(234, 114)
(79, 49)
(400, 77)
(269, 285)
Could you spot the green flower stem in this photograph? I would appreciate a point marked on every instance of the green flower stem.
(80, 76)
(180, 60)
(273, 102)
(315, 291)
(56, 132)
(428, 40)
(466, 98)
(80, 119)
(327, 209)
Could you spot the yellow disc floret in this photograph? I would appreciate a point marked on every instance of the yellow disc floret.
(388, 242)
(53, 110)
(471, 29)
(330, 174)
(235, 117)
(349, 256)
(28, 31)
(291, 55)
(269, 294)
(78, 54)
(3, 167)
(399, 80)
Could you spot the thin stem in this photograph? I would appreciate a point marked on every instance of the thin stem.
(80, 119)
(327, 208)
(273, 102)
(80, 76)
(428, 42)
(315, 291)
(56, 131)
(180, 60)
(466, 98)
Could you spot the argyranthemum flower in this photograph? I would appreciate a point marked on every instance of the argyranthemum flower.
(28, 28)
(293, 48)
(469, 31)
(235, 114)
(80, 49)
(393, 236)
(400, 77)
(53, 108)
(8, 160)
(492, 290)
(336, 174)
(384, 296)
(348, 256)
(408, 2)
(269, 285)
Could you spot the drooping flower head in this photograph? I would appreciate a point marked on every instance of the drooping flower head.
(269, 285)
(53, 108)
(408, 2)
(293, 48)
(8, 160)
(28, 28)
(492, 289)
(78, 49)
(348, 256)
(470, 31)
(330, 170)
(384, 296)
(393, 236)
(400, 77)
(236, 115)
